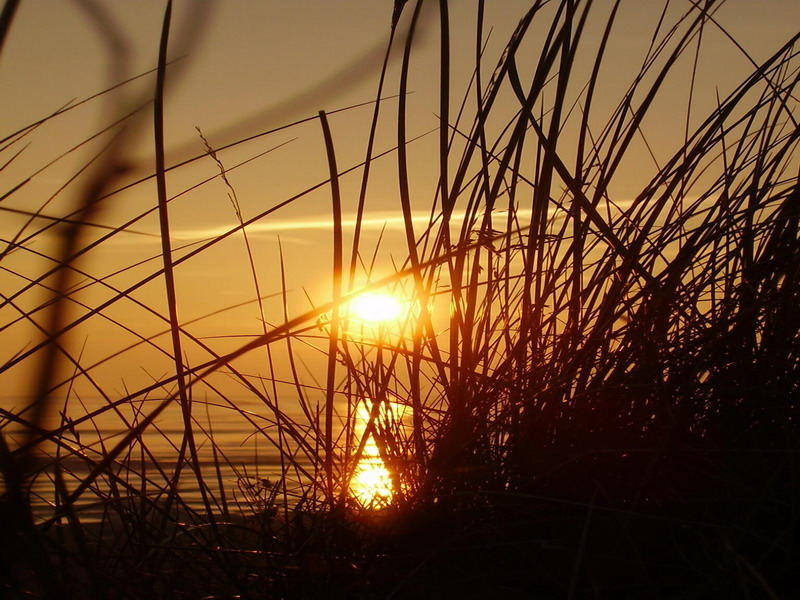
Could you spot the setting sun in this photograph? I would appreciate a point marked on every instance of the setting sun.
(376, 307)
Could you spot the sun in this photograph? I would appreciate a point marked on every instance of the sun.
(376, 307)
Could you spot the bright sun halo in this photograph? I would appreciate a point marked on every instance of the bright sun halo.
(376, 307)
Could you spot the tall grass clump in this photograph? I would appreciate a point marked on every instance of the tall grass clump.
(587, 393)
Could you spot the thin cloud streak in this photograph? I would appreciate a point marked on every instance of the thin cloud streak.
(371, 221)
(374, 221)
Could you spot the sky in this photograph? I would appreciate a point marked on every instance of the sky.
(243, 67)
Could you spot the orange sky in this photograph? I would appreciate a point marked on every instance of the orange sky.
(258, 65)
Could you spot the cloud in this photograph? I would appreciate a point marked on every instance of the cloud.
(370, 222)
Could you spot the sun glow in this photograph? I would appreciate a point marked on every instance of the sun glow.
(376, 307)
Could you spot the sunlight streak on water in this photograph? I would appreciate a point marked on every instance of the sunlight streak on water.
(372, 484)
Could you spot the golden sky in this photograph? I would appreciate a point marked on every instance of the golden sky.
(258, 65)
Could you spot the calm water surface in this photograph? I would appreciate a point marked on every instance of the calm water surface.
(245, 463)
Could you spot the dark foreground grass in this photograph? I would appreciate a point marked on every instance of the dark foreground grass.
(606, 408)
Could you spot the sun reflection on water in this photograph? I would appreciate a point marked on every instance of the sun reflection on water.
(372, 485)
